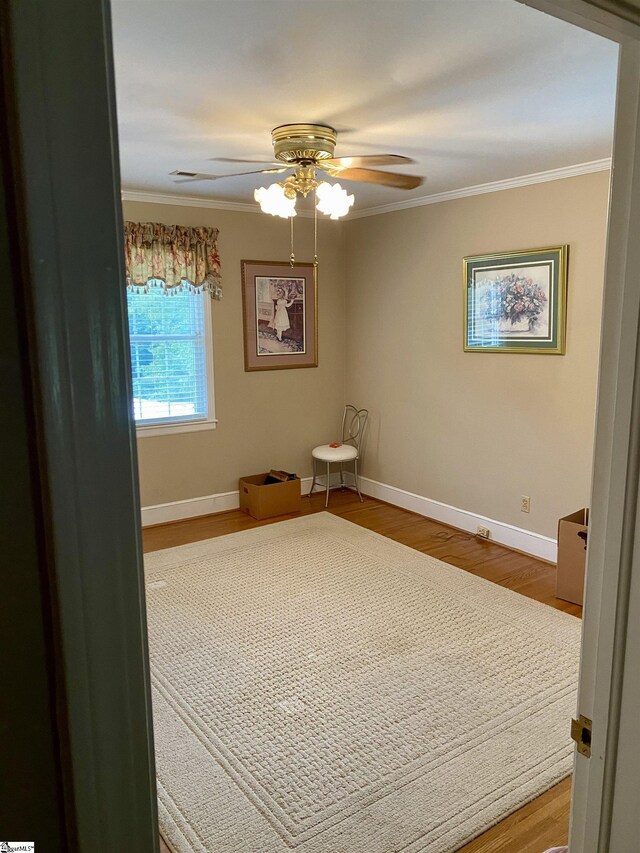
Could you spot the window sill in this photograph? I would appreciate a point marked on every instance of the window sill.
(170, 429)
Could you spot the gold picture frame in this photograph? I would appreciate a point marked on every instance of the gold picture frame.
(280, 315)
(516, 302)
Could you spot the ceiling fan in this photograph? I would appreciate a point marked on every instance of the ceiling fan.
(305, 149)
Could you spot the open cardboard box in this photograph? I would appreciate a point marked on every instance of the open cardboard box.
(264, 501)
(572, 553)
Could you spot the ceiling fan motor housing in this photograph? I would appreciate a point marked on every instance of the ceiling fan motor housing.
(295, 143)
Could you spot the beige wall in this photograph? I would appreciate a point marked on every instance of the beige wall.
(267, 418)
(472, 430)
(476, 430)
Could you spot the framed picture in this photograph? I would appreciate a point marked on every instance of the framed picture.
(516, 301)
(280, 311)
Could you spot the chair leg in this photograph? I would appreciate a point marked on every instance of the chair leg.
(313, 482)
(342, 475)
(326, 501)
(355, 468)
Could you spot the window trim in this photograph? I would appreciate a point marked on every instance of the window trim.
(169, 427)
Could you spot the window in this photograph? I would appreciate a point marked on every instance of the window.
(171, 360)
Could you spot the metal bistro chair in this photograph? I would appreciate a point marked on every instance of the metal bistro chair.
(354, 422)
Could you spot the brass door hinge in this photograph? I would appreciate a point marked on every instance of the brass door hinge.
(581, 733)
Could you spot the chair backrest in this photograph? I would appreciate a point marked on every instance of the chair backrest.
(354, 422)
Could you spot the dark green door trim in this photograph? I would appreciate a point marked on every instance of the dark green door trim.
(66, 163)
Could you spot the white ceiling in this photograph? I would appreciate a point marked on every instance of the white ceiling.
(474, 90)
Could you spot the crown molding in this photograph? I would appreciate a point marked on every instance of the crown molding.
(492, 187)
(435, 198)
(187, 201)
(196, 201)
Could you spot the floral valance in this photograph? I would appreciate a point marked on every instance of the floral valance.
(172, 258)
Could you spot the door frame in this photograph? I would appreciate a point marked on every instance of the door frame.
(67, 216)
(65, 158)
(602, 815)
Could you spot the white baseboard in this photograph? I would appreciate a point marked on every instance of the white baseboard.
(193, 507)
(504, 534)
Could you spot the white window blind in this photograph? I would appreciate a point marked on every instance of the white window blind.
(169, 357)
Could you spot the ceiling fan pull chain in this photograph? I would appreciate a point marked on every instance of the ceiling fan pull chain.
(315, 229)
(292, 257)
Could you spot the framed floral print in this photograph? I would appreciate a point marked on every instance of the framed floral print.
(516, 301)
(280, 312)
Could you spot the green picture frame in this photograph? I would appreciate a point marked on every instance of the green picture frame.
(515, 302)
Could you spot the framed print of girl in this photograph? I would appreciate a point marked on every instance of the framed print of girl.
(280, 294)
(280, 310)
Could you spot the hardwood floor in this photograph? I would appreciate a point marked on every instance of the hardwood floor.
(544, 822)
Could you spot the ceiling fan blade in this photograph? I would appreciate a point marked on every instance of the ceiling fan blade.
(236, 160)
(371, 176)
(369, 160)
(185, 177)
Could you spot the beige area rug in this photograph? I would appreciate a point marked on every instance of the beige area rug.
(323, 688)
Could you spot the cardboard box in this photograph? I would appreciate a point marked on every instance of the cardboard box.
(265, 501)
(572, 553)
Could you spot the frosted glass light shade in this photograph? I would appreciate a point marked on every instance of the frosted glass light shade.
(333, 200)
(273, 200)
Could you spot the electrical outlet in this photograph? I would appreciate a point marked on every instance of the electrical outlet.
(483, 532)
(525, 503)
